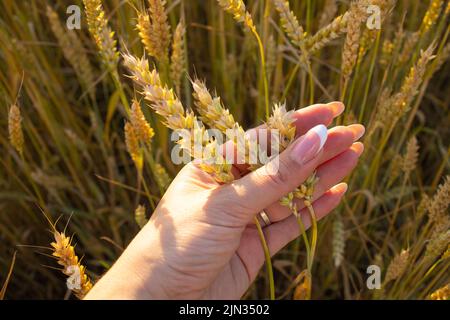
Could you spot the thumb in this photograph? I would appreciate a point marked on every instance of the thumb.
(283, 174)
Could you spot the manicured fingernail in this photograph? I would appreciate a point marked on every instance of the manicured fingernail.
(358, 147)
(308, 146)
(341, 187)
(337, 107)
(358, 131)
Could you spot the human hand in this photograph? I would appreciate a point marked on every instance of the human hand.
(200, 242)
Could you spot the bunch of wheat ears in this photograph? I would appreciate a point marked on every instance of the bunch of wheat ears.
(88, 114)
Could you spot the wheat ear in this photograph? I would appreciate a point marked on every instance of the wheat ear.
(289, 22)
(177, 59)
(437, 207)
(15, 128)
(64, 252)
(140, 217)
(357, 15)
(397, 266)
(157, 30)
(441, 293)
(144, 131)
(338, 241)
(165, 102)
(431, 16)
(73, 51)
(411, 156)
(102, 34)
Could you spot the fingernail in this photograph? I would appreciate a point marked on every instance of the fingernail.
(337, 107)
(308, 146)
(359, 148)
(358, 131)
(341, 187)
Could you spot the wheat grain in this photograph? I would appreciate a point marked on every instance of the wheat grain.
(15, 128)
(65, 254)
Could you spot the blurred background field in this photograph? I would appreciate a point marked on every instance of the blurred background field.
(73, 163)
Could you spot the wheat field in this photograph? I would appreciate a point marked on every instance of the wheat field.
(85, 159)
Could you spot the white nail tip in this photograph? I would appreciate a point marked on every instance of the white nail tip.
(322, 132)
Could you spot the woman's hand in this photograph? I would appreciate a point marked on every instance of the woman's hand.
(201, 243)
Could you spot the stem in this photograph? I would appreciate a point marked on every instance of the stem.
(268, 259)
(313, 235)
(302, 228)
(369, 79)
(263, 70)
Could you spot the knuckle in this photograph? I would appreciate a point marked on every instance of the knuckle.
(280, 178)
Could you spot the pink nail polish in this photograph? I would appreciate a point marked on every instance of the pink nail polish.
(309, 145)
